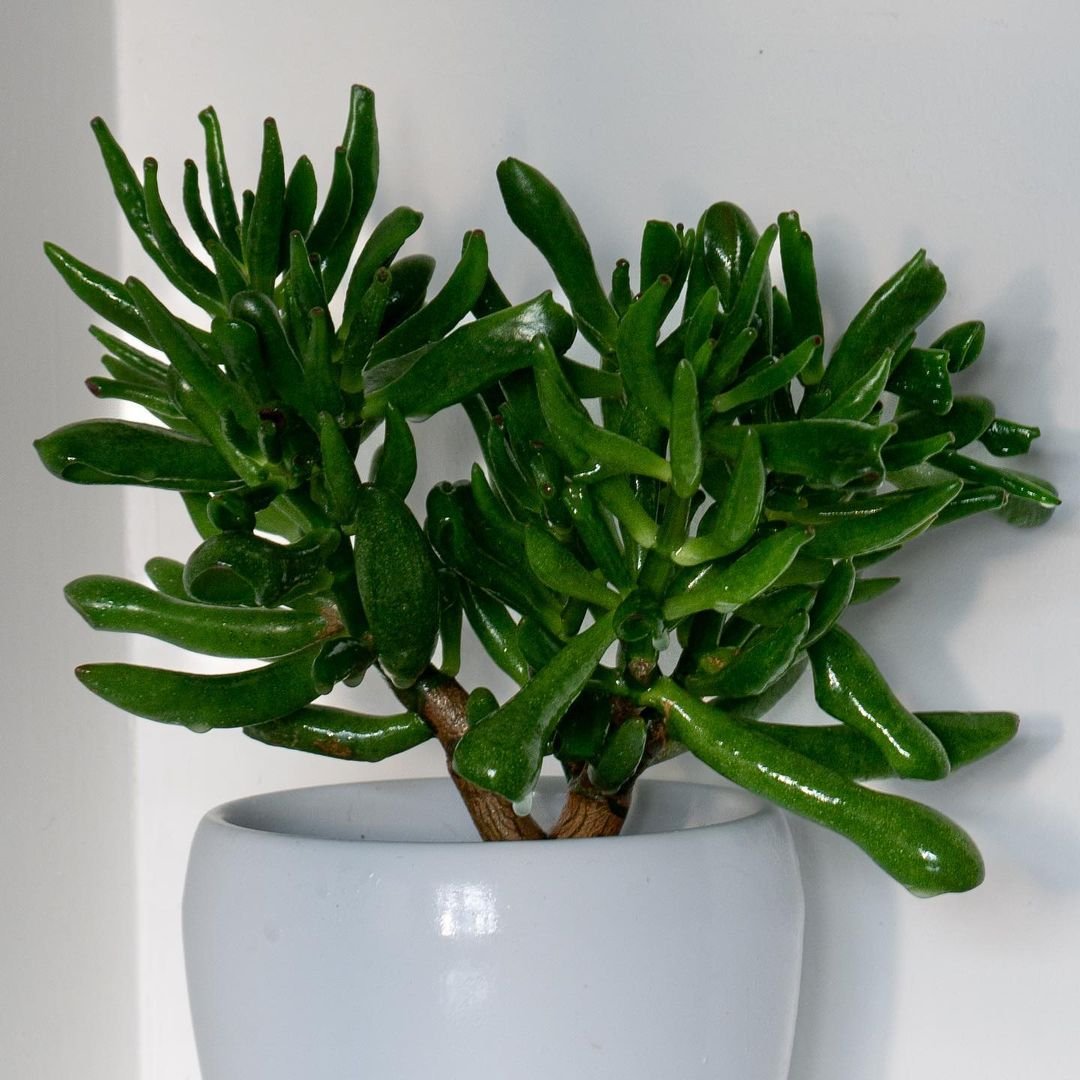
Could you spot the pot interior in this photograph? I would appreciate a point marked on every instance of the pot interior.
(429, 810)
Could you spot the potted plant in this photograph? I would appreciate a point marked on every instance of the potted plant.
(654, 570)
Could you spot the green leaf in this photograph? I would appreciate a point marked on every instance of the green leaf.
(395, 573)
(922, 378)
(739, 510)
(916, 845)
(848, 686)
(800, 280)
(104, 295)
(539, 210)
(612, 453)
(879, 522)
(620, 756)
(725, 588)
(361, 143)
(393, 466)
(468, 360)
(685, 447)
(886, 319)
(110, 603)
(262, 238)
(826, 453)
(555, 565)
(967, 737)
(444, 310)
(1022, 485)
(204, 702)
(504, 754)
(350, 736)
(963, 343)
(252, 571)
(123, 452)
(757, 664)
(636, 351)
(767, 378)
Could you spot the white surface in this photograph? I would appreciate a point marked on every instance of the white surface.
(67, 953)
(318, 912)
(946, 125)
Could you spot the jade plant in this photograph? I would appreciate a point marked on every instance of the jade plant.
(654, 570)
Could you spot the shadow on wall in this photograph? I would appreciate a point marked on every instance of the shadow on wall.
(849, 958)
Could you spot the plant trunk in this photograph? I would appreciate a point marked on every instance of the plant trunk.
(441, 701)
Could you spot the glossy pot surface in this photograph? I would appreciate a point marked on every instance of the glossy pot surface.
(359, 932)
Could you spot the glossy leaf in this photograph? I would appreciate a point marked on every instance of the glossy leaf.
(204, 702)
(183, 268)
(361, 143)
(252, 571)
(827, 453)
(505, 753)
(393, 466)
(539, 210)
(754, 294)
(410, 277)
(832, 598)
(469, 359)
(661, 252)
(859, 398)
(104, 295)
(800, 280)
(768, 378)
(559, 570)
(496, 630)
(339, 733)
(395, 573)
(262, 237)
(918, 846)
(966, 421)
(725, 588)
(1006, 438)
(685, 450)
(963, 343)
(887, 318)
(378, 252)
(636, 351)
(1010, 481)
(124, 452)
(922, 378)
(739, 511)
(848, 686)
(444, 310)
(613, 453)
(882, 522)
(967, 737)
(110, 603)
(756, 665)
(620, 756)
(222, 200)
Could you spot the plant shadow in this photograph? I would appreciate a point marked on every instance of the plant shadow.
(849, 957)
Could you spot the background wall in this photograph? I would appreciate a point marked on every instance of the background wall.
(950, 126)
(67, 882)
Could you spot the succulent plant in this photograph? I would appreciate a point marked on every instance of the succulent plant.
(654, 569)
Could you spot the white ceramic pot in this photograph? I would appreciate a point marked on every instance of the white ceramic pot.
(353, 933)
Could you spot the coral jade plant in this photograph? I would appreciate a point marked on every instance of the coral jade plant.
(654, 571)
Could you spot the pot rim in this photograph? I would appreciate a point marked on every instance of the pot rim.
(290, 815)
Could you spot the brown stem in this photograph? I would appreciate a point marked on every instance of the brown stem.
(441, 702)
(587, 812)
(590, 812)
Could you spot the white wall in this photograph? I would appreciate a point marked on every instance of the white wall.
(945, 125)
(67, 951)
